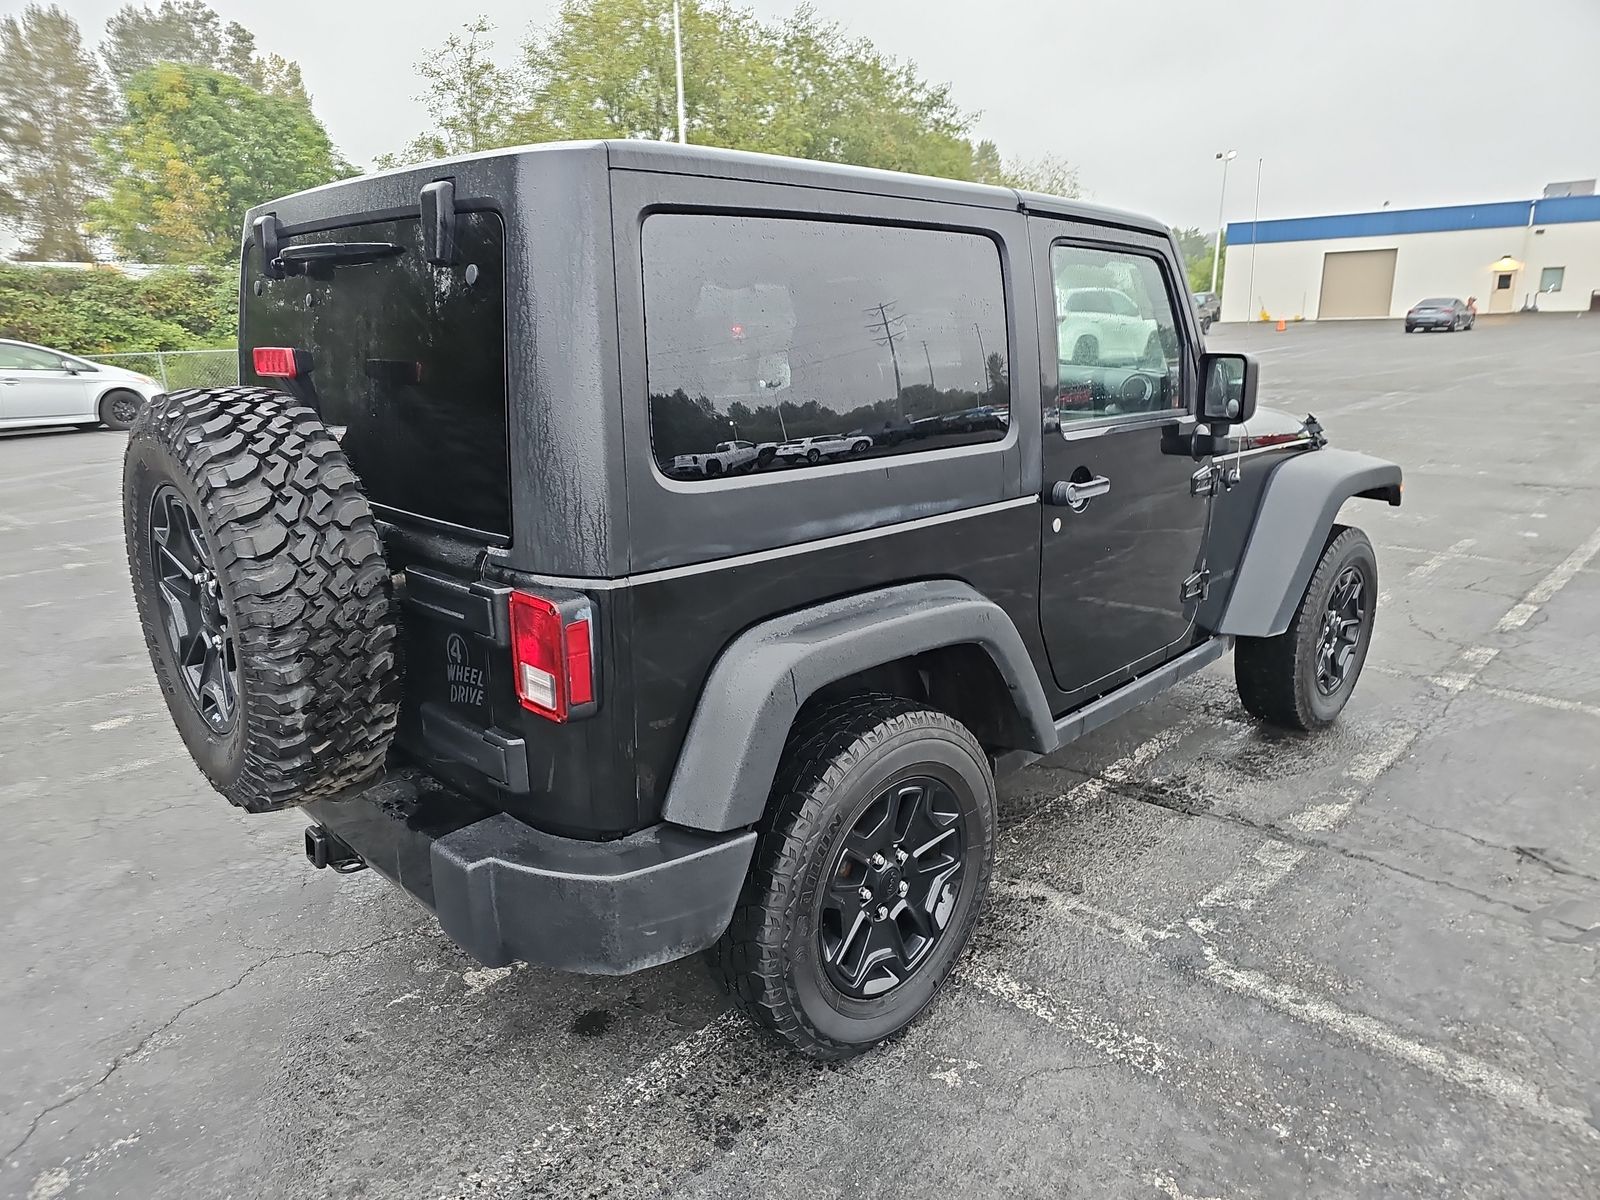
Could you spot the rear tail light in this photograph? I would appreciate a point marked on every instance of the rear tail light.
(552, 653)
(280, 362)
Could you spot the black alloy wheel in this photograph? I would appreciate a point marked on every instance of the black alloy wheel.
(194, 615)
(892, 887)
(1342, 624)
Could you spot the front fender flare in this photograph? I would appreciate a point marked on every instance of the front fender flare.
(758, 685)
(1299, 503)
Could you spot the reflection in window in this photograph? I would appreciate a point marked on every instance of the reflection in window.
(774, 343)
(1117, 338)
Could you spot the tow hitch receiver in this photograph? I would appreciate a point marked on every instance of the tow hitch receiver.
(325, 850)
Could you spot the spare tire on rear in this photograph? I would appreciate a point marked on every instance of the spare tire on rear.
(262, 589)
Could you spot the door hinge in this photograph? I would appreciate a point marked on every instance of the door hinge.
(1210, 480)
(1196, 586)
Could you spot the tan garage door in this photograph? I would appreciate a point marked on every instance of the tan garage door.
(1357, 283)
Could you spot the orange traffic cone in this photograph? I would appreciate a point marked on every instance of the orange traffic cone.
(1282, 325)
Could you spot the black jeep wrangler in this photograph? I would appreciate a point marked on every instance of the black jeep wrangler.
(430, 574)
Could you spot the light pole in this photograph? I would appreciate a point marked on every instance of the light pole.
(1227, 156)
(1254, 221)
(677, 55)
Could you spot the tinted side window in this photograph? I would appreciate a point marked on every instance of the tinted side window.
(25, 358)
(775, 344)
(1117, 336)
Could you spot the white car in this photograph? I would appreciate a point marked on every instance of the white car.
(726, 458)
(46, 387)
(825, 445)
(1103, 325)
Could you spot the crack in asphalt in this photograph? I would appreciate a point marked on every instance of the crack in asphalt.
(127, 1055)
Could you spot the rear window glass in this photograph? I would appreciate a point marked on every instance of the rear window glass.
(778, 344)
(408, 365)
(1437, 302)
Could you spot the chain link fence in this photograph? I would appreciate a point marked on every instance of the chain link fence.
(179, 368)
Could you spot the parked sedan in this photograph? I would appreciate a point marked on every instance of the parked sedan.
(39, 386)
(1440, 313)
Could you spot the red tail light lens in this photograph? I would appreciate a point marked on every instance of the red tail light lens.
(552, 656)
(280, 362)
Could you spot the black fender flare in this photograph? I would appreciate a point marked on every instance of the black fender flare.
(1299, 503)
(763, 677)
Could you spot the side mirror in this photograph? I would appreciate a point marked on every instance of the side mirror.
(1228, 388)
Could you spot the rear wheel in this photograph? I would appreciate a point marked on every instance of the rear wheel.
(813, 456)
(1303, 678)
(263, 594)
(1086, 350)
(713, 468)
(869, 875)
(118, 408)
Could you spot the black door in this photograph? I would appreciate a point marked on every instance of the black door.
(1122, 558)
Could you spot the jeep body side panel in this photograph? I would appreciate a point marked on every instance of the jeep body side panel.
(762, 679)
(1299, 503)
(673, 523)
(682, 621)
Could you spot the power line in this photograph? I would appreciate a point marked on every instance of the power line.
(888, 333)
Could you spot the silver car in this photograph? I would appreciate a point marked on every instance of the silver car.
(39, 386)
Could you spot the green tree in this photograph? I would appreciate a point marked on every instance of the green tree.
(1196, 247)
(190, 32)
(471, 100)
(53, 100)
(102, 311)
(604, 68)
(196, 149)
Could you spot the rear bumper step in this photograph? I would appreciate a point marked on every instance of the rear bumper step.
(504, 891)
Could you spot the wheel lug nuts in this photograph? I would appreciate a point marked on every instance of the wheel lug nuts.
(865, 894)
(883, 913)
(877, 862)
(904, 887)
(900, 855)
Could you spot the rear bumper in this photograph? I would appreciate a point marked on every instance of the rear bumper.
(504, 891)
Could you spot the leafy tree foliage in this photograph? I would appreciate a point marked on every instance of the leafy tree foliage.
(52, 100)
(189, 32)
(102, 311)
(471, 100)
(196, 149)
(1197, 247)
(801, 87)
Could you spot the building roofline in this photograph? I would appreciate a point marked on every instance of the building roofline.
(1395, 222)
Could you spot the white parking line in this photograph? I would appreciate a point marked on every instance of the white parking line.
(1546, 588)
(1099, 1033)
(1115, 772)
(1464, 1070)
(1424, 570)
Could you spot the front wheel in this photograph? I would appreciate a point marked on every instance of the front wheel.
(118, 408)
(869, 875)
(1303, 678)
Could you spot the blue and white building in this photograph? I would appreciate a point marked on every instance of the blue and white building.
(1511, 255)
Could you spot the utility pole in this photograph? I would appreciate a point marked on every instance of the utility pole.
(884, 328)
(983, 355)
(929, 361)
(677, 54)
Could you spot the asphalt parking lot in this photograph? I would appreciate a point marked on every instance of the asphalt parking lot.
(1219, 961)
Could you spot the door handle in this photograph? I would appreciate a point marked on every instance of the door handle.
(1075, 494)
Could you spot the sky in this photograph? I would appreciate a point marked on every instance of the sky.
(1348, 104)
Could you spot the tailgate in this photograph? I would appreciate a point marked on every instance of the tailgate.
(460, 713)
